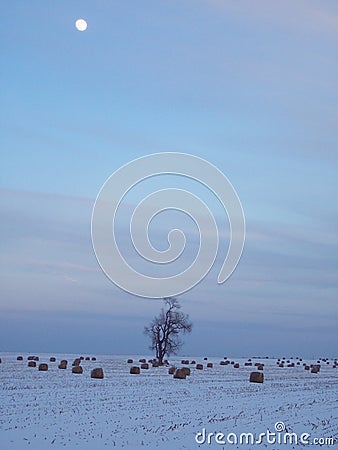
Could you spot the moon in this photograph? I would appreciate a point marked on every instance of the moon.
(81, 25)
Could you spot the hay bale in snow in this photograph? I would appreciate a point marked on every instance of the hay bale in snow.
(63, 364)
(130, 361)
(210, 365)
(43, 367)
(142, 360)
(199, 366)
(31, 364)
(76, 362)
(171, 370)
(52, 359)
(87, 358)
(236, 366)
(144, 366)
(186, 370)
(77, 369)
(180, 374)
(256, 377)
(97, 373)
(93, 358)
(134, 370)
(19, 358)
(260, 367)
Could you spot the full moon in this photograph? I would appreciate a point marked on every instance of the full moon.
(81, 25)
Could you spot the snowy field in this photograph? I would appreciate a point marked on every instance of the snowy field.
(58, 409)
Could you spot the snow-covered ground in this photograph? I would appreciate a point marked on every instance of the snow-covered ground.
(57, 409)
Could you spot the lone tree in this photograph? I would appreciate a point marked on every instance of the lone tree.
(164, 330)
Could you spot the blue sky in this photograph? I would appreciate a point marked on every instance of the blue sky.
(249, 87)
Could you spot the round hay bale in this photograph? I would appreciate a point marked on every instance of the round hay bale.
(82, 358)
(76, 362)
(260, 367)
(31, 364)
(43, 367)
(193, 362)
(142, 360)
(225, 357)
(93, 358)
(144, 366)
(256, 377)
(63, 364)
(30, 358)
(130, 361)
(36, 358)
(19, 358)
(155, 364)
(77, 369)
(307, 367)
(210, 365)
(236, 366)
(232, 362)
(315, 369)
(171, 370)
(97, 373)
(186, 370)
(248, 364)
(222, 363)
(52, 359)
(180, 374)
(205, 359)
(199, 366)
(134, 370)
(87, 358)
(281, 365)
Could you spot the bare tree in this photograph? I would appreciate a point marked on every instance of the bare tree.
(164, 330)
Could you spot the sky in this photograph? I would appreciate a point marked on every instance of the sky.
(250, 87)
